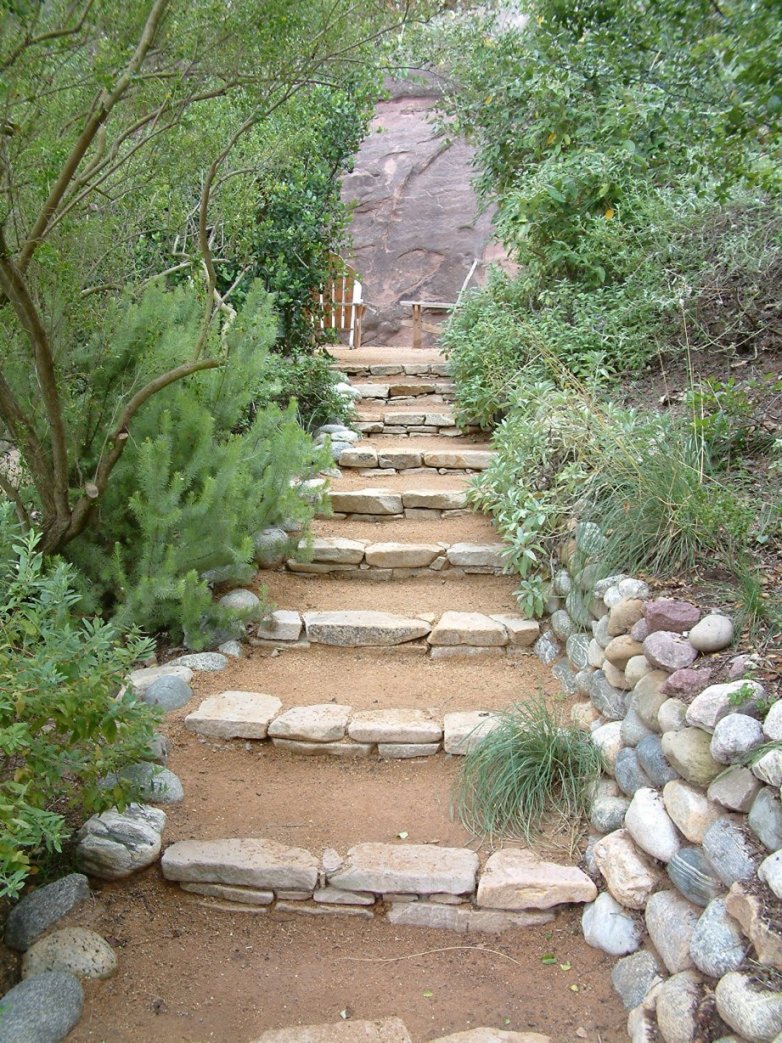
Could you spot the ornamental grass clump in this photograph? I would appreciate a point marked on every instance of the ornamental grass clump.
(530, 772)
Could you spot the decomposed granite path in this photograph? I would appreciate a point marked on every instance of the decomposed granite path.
(309, 872)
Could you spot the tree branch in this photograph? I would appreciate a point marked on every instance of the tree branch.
(53, 34)
(118, 440)
(105, 102)
(13, 495)
(16, 290)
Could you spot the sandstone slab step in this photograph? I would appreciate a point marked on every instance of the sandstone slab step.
(407, 869)
(280, 625)
(435, 499)
(399, 459)
(514, 878)
(402, 555)
(395, 726)
(463, 918)
(464, 728)
(489, 1035)
(473, 459)
(367, 501)
(361, 456)
(468, 628)
(477, 555)
(321, 722)
(234, 715)
(387, 1030)
(337, 549)
(351, 628)
(246, 861)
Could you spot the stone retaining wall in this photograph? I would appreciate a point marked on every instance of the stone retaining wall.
(415, 461)
(687, 832)
(389, 369)
(411, 884)
(378, 504)
(403, 422)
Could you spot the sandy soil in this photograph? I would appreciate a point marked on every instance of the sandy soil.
(432, 479)
(430, 593)
(474, 528)
(373, 354)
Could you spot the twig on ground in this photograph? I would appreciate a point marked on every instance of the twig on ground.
(428, 952)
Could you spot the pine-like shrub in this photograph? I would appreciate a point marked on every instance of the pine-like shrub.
(63, 726)
(206, 468)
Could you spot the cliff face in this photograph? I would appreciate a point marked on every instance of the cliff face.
(416, 227)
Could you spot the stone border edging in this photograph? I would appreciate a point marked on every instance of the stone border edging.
(397, 560)
(688, 836)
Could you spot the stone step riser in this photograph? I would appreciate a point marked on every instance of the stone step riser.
(339, 555)
(359, 370)
(443, 461)
(419, 885)
(378, 427)
(380, 574)
(388, 503)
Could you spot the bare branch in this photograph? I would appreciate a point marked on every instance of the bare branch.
(13, 495)
(17, 291)
(32, 41)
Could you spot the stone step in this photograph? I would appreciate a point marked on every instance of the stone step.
(468, 632)
(335, 554)
(462, 461)
(374, 503)
(389, 389)
(385, 1030)
(405, 883)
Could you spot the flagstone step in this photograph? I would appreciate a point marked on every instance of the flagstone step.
(516, 888)
(372, 503)
(463, 461)
(355, 628)
(389, 388)
(345, 556)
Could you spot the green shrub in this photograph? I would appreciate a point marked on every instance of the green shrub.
(529, 772)
(204, 471)
(62, 725)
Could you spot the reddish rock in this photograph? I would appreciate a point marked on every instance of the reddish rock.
(688, 681)
(671, 615)
(417, 227)
(640, 630)
(669, 651)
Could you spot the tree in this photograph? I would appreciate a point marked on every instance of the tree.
(113, 120)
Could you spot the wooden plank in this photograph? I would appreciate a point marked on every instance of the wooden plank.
(429, 305)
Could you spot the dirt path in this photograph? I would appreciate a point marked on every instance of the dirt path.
(193, 969)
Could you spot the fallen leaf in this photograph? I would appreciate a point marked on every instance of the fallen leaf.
(403, 835)
(549, 959)
(574, 988)
(427, 994)
(565, 966)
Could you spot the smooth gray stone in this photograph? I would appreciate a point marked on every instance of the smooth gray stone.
(633, 728)
(608, 813)
(168, 692)
(755, 1013)
(41, 1009)
(608, 700)
(159, 748)
(563, 672)
(577, 605)
(765, 819)
(652, 760)
(576, 650)
(633, 976)
(600, 631)
(562, 625)
(693, 875)
(546, 649)
(157, 785)
(582, 681)
(41, 908)
(717, 944)
(731, 851)
(629, 774)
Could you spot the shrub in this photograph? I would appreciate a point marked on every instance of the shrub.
(62, 725)
(530, 771)
(204, 471)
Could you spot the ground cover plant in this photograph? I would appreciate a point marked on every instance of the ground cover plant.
(63, 728)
